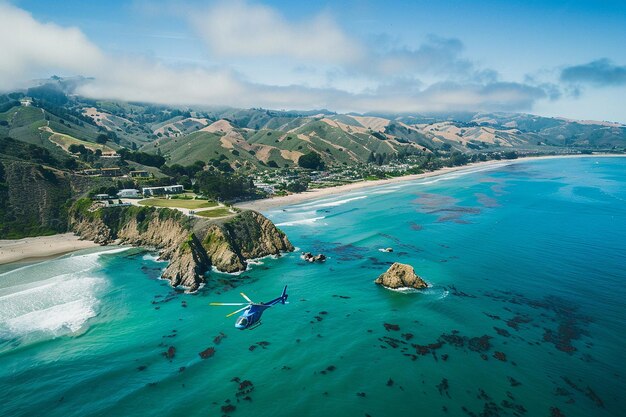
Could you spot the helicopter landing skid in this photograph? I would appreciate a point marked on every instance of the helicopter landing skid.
(254, 326)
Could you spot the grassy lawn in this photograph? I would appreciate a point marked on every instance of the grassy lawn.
(220, 212)
(183, 196)
(188, 204)
(65, 141)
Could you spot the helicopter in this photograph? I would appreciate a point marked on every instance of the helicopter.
(252, 312)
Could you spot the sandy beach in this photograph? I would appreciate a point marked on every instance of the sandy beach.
(269, 203)
(40, 248)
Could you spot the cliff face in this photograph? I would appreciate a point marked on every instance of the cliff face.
(191, 245)
(249, 235)
(33, 200)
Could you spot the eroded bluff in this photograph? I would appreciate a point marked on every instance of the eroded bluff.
(192, 245)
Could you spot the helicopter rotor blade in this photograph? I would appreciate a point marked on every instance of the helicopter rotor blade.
(247, 298)
(235, 312)
(228, 304)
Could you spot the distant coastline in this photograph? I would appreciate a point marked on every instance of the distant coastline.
(46, 247)
(296, 198)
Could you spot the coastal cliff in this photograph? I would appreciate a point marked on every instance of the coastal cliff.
(192, 245)
(32, 200)
(248, 235)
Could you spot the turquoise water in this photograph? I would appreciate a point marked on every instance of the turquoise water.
(525, 314)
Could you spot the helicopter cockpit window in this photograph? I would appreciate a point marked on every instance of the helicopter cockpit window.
(242, 321)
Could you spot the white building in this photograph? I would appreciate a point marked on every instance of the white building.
(268, 188)
(168, 189)
(129, 193)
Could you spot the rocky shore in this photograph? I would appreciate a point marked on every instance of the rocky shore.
(400, 276)
(192, 245)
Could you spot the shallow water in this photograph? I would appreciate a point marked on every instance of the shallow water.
(525, 314)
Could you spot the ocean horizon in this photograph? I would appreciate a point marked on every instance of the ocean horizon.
(524, 314)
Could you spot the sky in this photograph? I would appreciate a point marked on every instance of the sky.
(551, 58)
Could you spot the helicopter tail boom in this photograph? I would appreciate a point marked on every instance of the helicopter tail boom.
(282, 299)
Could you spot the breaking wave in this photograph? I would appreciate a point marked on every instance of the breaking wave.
(59, 303)
(300, 221)
(328, 202)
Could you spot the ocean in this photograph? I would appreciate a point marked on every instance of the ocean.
(525, 313)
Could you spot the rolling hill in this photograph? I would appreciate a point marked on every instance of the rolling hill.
(261, 138)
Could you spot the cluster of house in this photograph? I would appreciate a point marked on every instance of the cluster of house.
(145, 192)
(268, 188)
(103, 172)
(164, 190)
(114, 172)
(105, 200)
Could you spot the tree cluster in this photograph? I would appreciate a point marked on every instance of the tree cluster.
(311, 160)
(28, 152)
(225, 186)
(141, 158)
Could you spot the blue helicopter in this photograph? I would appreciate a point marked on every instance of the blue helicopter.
(252, 312)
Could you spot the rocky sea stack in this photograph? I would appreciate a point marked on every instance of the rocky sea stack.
(192, 245)
(400, 276)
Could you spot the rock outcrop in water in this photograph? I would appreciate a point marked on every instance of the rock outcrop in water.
(400, 276)
(192, 245)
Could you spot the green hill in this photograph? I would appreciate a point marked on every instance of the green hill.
(258, 138)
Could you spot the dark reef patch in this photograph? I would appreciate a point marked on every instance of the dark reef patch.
(502, 332)
(443, 388)
(346, 252)
(397, 242)
(207, 353)
(445, 207)
(563, 323)
(344, 297)
(454, 291)
(220, 284)
(555, 412)
(415, 226)
(392, 342)
(170, 353)
(159, 299)
(218, 339)
(329, 368)
(514, 322)
(263, 344)
(514, 382)
(587, 391)
(486, 201)
(389, 326)
(479, 344)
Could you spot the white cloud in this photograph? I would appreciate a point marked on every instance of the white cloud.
(30, 48)
(436, 55)
(35, 49)
(240, 29)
